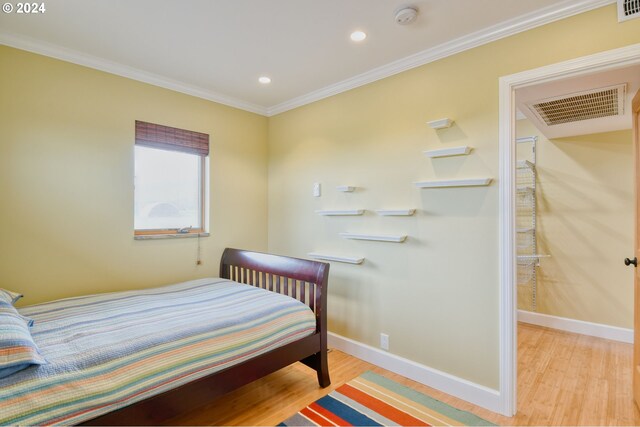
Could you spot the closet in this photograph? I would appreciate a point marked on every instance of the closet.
(527, 247)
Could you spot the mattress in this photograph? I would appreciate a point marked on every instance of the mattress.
(108, 351)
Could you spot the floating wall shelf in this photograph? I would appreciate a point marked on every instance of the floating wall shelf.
(395, 212)
(447, 152)
(440, 123)
(351, 212)
(346, 188)
(378, 238)
(348, 260)
(471, 182)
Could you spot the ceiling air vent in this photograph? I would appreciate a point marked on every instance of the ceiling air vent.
(591, 104)
(628, 9)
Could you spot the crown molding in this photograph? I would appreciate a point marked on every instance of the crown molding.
(69, 55)
(504, 29)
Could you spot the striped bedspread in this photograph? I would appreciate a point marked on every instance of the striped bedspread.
(107, 351)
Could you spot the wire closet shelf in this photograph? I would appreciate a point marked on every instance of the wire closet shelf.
(527, 246)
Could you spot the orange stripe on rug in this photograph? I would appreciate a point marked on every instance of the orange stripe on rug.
(316, 418)
(329, 415)
(384, 409)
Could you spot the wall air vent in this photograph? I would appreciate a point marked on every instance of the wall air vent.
(591, 104)
(628, 9)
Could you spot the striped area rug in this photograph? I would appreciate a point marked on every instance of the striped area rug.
(373, 400)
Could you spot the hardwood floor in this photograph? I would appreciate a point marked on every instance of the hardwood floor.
(563, 379)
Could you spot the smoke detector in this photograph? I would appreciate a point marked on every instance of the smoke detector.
(406, 15)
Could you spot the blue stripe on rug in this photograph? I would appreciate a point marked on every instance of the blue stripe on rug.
(345, 412)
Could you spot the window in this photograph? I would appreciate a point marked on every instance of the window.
(170, 185)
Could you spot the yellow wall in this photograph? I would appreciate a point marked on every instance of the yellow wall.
(66, 173)
(585, 220)
(436, 295)
(66, 180)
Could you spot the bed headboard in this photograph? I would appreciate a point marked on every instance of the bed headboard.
(301, 279)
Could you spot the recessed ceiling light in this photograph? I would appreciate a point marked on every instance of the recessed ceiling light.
(358, 36)
(264, 80)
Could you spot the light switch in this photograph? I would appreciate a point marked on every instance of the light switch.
(316, 189)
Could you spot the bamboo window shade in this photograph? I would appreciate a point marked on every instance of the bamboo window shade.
(169, 138)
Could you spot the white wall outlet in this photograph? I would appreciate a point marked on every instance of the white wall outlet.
(384, 341)
(317, 187)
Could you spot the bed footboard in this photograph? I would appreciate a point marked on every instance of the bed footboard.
(301, 279)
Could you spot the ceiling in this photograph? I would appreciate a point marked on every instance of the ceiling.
(217, 49)
(629, 76)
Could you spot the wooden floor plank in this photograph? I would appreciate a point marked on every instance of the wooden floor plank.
(563, 379)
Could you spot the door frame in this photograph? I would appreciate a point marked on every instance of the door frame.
(608, 60)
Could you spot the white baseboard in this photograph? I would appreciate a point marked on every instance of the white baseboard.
(450, 384)
(577, 326)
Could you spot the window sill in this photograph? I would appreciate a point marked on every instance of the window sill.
(168, 236)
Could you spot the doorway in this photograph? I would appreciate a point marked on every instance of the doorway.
(606, 61)
(575, 203)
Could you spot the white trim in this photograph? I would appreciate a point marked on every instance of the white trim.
(75, 57)
(561, 10)
(616, 58)
(577, 326)
(447, 383)
(507, 241)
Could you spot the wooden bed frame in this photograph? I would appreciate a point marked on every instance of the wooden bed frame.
(301, 279)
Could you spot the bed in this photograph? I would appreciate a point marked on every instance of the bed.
(143, 357)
